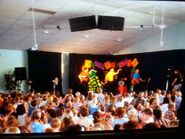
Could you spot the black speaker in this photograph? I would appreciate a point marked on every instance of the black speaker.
(82, 23)
(111, 23)
(168, 72)
(20, 73)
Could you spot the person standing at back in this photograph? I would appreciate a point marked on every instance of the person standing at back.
(177, 80)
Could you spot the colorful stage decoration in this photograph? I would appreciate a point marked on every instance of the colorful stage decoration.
(84, 75)
(87, 64)
(129, 63)
(99, 65)
(107, 65)
(112, 65)
(123, 63)
(92, 65)
(135, 62)
(88, 73)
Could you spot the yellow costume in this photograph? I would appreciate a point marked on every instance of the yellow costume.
(110, 75)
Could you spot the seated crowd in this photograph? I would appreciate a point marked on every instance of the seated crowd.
(34, 112)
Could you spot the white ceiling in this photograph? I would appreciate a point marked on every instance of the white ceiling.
(16, 31)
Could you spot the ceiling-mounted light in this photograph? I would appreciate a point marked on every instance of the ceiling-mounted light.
(141, 27)
(35, 47)
(86, 36)
(58, 27)
(161, 43)
(45, 31)
(161, 26)
(113, 53)
(118, 40)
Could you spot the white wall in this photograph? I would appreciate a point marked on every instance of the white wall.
(9, 59)
(174, 38)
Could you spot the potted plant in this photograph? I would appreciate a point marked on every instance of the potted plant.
(11, 83)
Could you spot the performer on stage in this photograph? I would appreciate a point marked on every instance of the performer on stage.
(122, 88)
(110, 75)
(109, 83)
(177, 80)
(94, 81)
(136, 80)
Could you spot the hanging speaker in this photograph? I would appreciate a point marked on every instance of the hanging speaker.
(111, 23)
(20, 73)
(82, 23)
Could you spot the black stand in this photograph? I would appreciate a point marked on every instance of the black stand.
(19, 82)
